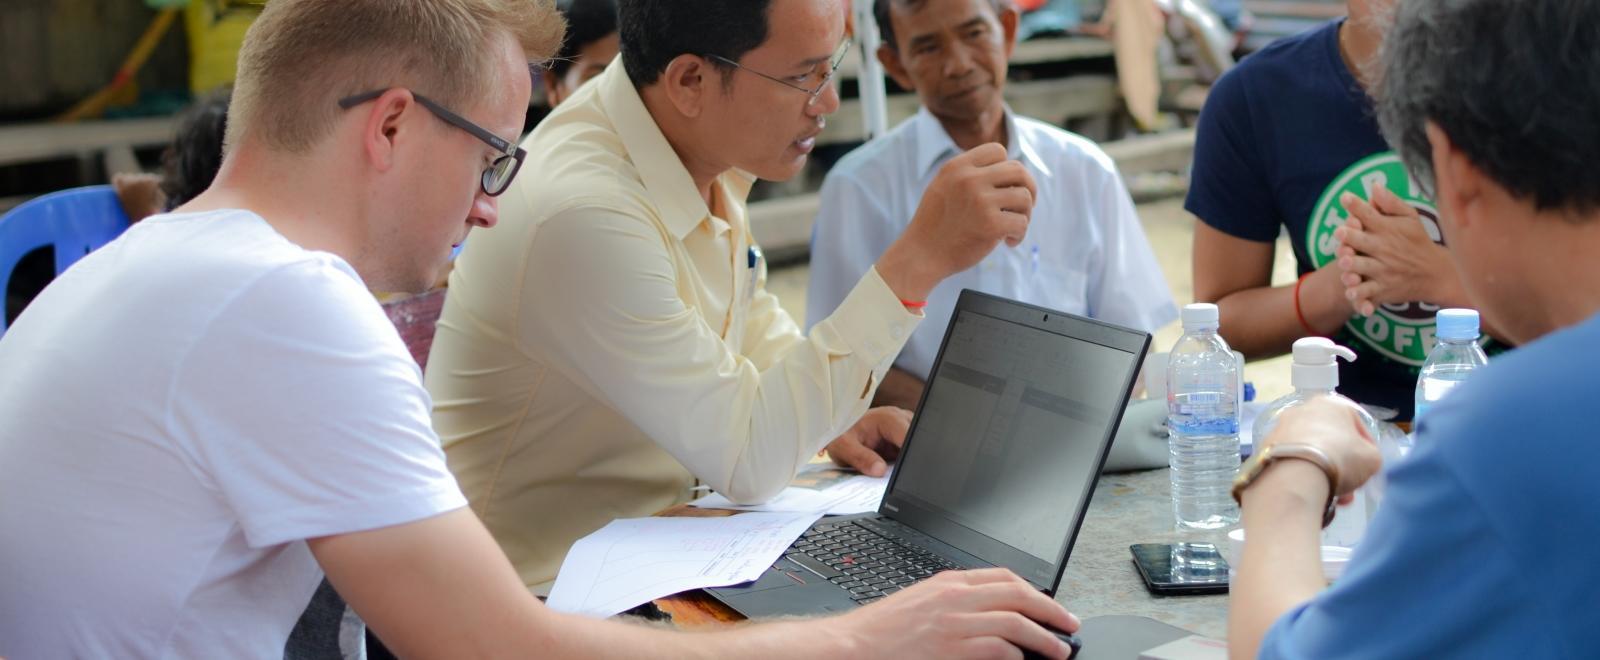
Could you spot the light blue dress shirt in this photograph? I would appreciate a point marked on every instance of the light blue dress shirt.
(1085, 252)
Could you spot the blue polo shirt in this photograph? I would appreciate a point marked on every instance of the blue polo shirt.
(1488, 541)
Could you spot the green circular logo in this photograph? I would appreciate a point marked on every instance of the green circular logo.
(1402, 332)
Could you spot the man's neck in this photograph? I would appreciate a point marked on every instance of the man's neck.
(1559, 269)
(679, 134)
(990, 126)
(1358, 47)
(294, 200)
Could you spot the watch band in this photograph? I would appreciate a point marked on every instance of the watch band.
(1252, 470)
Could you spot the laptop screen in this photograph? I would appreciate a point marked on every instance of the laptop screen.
(1013, 429)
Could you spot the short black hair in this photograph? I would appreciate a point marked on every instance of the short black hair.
(880, 13)
(588, 21)
(656, 31)
(1515, 84)
(191, 162)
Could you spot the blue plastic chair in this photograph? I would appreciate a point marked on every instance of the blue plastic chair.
(74, 222)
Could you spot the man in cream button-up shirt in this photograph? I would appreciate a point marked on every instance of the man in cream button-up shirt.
(612, 343)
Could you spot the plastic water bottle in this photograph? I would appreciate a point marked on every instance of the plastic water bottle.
(1454, 356)
(1315, 375)
(1203, 392)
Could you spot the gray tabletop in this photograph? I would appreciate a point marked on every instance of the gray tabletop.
(1126, 509)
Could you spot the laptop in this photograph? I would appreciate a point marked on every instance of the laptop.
(997, 468)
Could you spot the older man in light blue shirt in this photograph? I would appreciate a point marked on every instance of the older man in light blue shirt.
(1085, 252)
(1484, 546)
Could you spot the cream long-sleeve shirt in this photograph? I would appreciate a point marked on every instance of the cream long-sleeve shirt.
(611, 343)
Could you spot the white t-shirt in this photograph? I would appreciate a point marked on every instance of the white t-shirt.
(1085, 252)
(178, 412)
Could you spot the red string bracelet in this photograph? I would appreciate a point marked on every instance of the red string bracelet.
(1310, 331)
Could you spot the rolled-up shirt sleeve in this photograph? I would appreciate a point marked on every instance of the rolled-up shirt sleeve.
(607, 309)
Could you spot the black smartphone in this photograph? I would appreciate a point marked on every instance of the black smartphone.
(1181, 569)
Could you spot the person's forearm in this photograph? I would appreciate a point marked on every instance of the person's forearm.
(1261, 322)
(592, 638)
(899, 389)
(1282, 564)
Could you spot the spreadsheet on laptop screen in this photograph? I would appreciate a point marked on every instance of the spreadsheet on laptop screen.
(1013, 400)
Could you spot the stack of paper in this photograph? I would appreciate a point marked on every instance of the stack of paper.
(631, 562)
(819, 489)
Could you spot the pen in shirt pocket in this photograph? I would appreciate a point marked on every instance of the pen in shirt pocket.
(753, 259)
(1034, 257)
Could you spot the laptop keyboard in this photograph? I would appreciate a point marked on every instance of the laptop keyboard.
(868, 561)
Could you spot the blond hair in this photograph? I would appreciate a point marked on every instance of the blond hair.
(301, 56)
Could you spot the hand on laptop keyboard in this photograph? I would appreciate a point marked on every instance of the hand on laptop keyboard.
(987, 613)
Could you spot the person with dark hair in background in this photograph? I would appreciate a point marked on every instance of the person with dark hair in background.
(615, 346)
(190, 164)
(590, 45)
(1086, 253)
(1483, 546)
(1288, 141)
(187, 165)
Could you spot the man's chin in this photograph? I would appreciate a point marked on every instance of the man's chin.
(784, 170)
(964, 110)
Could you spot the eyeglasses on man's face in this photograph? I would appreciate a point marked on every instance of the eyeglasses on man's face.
(497, 177)
(812, 83)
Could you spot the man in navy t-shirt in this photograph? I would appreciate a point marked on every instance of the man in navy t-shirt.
(1284, 140)
(1483, 546)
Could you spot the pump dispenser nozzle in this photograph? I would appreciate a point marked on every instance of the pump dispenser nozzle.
(1315, 364)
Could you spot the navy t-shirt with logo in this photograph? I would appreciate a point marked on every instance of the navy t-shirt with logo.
(1282, 136)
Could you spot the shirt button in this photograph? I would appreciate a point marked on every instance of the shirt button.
(874, 347)
(898, 331)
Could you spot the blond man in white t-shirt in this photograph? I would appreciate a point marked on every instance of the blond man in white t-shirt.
(203, 417)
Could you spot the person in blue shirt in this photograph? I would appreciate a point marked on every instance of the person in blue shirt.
(1483, 546)
(1288, 142)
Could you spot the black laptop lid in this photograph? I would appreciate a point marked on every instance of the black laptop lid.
(1012, 430)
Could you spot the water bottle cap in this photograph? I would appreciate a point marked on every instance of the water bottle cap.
(1457, 324)
(1199, 316)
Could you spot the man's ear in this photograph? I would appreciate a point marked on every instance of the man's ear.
(892, 65)
(388, 123)
(552, 88)
(1009, 20)
(689, 83)
(1458, 184)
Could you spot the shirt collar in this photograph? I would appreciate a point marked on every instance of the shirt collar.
(934, 145)
(665, 178)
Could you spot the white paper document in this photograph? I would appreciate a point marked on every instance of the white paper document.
(631, 562)
(818, 488)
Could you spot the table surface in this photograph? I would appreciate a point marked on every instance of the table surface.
(1100, 579)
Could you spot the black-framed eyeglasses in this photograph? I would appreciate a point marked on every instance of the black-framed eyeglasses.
(497, 177)
(813, 90)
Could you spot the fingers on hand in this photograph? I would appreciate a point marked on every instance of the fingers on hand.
(982, 155)
(1014, 595)
(1362, 265)
(1364, 297)
(848, 451)
(1015, 630)
(1390, 204)
(892, 424)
